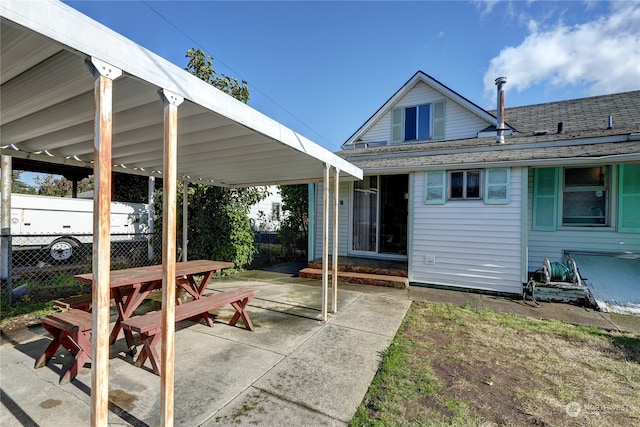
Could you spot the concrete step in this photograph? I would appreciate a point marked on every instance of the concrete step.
(359, 278)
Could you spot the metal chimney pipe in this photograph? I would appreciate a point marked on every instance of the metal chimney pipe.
(500, 82)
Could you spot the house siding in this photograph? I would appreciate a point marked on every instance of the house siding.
(553, 244)
(460, 123)
(343, 219)
(473, 245)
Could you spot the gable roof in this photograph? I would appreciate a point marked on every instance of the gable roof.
(585, 138)
(420, 77)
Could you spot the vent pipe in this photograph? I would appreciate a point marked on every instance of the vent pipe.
(610, 122)
(500, 82)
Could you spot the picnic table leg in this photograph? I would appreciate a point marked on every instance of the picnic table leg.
(203, 283)
(126, 307)
(117, 296)
(149, 351)
(82, 354)
(51, 348)
(241, 311)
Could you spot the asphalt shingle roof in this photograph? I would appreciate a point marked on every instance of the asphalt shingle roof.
(585, 135)
(578, 115)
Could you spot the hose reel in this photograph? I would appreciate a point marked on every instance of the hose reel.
(551, 272)
(559, 272)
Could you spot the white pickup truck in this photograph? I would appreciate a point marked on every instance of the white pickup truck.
(61, 224)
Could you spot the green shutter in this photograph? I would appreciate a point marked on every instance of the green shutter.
(438, 109)
(545, 199)
(497, 183)
(435, 188)
(397, 116)
(629, 199)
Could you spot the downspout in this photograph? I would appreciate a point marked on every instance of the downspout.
(500, 82)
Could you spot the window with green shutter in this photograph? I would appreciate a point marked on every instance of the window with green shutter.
(629, 198)
(497, 184)
(545, 199)
(435, 188)
(418, 123)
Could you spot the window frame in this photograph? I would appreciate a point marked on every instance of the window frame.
(606, 187)
(435, 122)
(465, 173)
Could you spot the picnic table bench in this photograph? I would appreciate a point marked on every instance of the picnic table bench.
(149, 325)
(72, 330)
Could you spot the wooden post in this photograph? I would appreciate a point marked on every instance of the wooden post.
(334, 282)
(185, 222)
(5, 253)
(171, 102)
(325, 242)
(151, 188)
(103, 75)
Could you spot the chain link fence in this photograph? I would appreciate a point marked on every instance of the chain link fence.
(42, 266)
(274, 248)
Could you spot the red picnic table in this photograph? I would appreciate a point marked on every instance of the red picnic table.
(130, 287)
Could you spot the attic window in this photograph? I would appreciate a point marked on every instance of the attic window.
(418, 123)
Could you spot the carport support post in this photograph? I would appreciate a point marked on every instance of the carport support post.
(334, 282)
(151, 188)
(325, 241)
(103, 75)
(5, 255)
(185, 214)
(171, 102)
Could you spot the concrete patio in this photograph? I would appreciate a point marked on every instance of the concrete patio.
(291, 370)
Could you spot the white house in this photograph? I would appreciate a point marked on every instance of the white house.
(266, 215)
(468, 205)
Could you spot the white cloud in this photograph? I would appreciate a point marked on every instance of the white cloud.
(602, 55)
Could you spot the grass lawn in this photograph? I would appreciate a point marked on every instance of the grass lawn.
(452, 365)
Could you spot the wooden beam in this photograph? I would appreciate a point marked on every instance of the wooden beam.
(185, 218)
(5, 251)
(103, 75)
(171, 102)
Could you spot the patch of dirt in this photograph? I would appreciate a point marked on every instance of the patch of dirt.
(522, 377)
(20, 321)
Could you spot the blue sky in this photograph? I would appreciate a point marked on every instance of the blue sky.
(323, 68)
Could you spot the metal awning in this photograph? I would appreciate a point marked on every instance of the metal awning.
(47, 108)
(75, 92)
(612, 278)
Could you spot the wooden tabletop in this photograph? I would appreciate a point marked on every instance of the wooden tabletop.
(129, 276)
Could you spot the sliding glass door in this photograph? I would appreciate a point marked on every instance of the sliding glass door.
(380, 210)
(365, 214)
